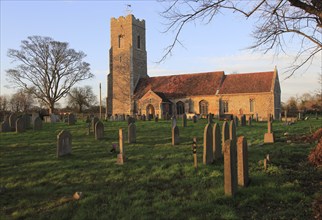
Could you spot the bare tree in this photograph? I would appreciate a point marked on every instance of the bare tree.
(47, 68)
(276, 20)
(4, 100)
(82, 97)
(21, 101)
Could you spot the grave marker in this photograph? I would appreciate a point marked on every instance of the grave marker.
(224, 133)
(132, 133)
(121, 155)
(230, 168)
(217, 149)
(20, 125)
(64, 143)
(242, 161)
(37, 124)
(207, 145)
(175, 135)
(99, 130)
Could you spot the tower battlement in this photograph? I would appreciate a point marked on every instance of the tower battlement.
(128, 19)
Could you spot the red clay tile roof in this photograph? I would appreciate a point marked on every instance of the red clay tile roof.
(247, 83)
(177, 86)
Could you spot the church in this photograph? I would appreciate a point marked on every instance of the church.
(132, 92)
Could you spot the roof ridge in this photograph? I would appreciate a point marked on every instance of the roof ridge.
(189, 74)
(249, 73)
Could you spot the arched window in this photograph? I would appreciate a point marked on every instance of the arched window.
(180, 108)
(225, 106)
(120, 41)
(203, 107)
(251, 105)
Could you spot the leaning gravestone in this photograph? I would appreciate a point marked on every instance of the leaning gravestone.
(64, 143)
(207, 145)
(131, 133)
(224, 133)
(5, 127)
(230, 168)
(99, 130)
(175, 135)
(242, 161)
(12, 121)
(217, 149)
(37, 124)
(20, 125)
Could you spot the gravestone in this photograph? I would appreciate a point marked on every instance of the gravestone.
(249, 121)
(232, 131)
(130, 120)
(64, 143)
(194, 151)
(184, 120)
(34, 115)
(194, 119)
(175, 135)
(216, 144)
(207, 144)
(121, 155)
(230, 168)
(99, 130)
(26, 120)
(94, 121)
(242, 162)
(210, 118)
(236, 121)
(37, 124)
(5, 127)
(269, 136)
(224, 133)
(131, 133)
(71, 119)
(54, 118)
(243, 120)
(12, 121)
(20, 125)
(256, 117)
(173, 121)
(156, 118)
(143, 118)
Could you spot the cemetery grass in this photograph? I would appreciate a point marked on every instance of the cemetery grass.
(157, 180)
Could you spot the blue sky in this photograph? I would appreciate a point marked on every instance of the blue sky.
(219, 45)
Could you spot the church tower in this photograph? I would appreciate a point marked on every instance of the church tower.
(128, 63)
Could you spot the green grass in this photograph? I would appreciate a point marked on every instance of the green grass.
(157, 181)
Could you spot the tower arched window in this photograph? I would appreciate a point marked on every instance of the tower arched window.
(120, 41)
(203, 107)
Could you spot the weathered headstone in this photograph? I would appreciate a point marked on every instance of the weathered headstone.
(243, 120)
(26, 120)
(5, 127)
(175, 135)
(173, 121)
(37, 124)
(224, 133)
(99, 130)
(269, 136)
(12, 121)
(156, 118)
(131, 133)
(232, 131)
(210, 118)
(217, 149)
(194, 119)
(242, 161)
(94, 121)
(249, 121)
(230, 168)
(20, 125)
(71, 119)
(236, 120)
(184, 120)
(207, 144)
(194, 151)
(64, 143)
(121, 155)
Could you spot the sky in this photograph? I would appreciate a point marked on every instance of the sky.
(217, 46)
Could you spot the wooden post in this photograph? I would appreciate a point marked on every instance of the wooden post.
(194, 151)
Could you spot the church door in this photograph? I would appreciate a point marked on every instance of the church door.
(150, 111)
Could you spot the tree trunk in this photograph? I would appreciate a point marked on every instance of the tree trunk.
(51, 108)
